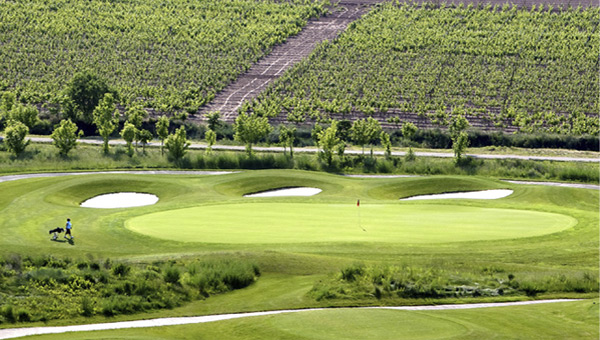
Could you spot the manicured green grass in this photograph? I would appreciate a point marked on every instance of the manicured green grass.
(568, 320)
(290, 269)
(317, 222)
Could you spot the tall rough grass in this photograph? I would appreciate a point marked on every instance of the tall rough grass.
(375, 282)
(42, 288)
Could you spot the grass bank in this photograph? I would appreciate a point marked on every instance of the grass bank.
(44, 158)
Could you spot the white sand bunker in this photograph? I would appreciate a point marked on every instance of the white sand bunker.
(477, 195)
(120, 200)
(301, 191)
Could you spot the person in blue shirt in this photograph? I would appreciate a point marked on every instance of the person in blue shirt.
(68, 226)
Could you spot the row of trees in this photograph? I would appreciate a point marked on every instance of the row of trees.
(252, 128)
(249, 130)
(87, 103)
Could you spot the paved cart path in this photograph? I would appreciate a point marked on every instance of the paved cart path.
(20, 332)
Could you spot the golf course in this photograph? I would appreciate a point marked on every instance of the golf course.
(299, 169)
(355, 243)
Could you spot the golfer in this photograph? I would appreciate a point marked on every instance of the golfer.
(68, 227)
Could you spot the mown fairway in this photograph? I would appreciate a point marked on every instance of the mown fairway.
(541, 236)
(571, 320)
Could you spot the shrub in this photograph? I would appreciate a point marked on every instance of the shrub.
(87, 306)
(172, 275)
(121, 270)
(23, 315)
(531, 289)
(8, 313)
(353, 272)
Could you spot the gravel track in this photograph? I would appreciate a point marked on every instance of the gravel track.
(20, 332)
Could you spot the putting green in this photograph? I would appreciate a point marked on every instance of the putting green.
(306, 222)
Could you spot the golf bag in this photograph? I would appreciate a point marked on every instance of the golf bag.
(56, 232)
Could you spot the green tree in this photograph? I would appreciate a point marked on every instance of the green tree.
(162, 130)
(211, 138)
(249, 129)
(213, 119)
(460, 139)
(408, 131)
(328, 140)
(314, 134)
(65, 136)
(26, 114)
(85, 91)
(135, 115)
(365, 131)
(128, 134)
(106, 118)
(287, 135)
(14, 137)
(144, 136)
(387, 144)
(177, 145)
(7, 101)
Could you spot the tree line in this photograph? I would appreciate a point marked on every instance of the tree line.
(93, 102)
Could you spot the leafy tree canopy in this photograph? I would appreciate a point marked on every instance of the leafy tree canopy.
(85, 90)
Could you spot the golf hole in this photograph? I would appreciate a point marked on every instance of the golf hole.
(478, 195)
(299, 191)
(120, 200)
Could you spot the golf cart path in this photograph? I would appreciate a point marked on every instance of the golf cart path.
(201, 146)
(10, 333)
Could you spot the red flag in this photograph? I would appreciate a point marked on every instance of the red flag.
(358, 203)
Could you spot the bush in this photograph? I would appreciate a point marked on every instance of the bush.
(172, 275)
(353, 272)
(8, 314)
(121, 270)
(23, 315)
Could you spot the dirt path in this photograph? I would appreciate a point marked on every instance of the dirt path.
(284, 56)
(20, 332)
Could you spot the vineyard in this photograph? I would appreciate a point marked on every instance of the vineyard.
(507, 68)
(170, 54)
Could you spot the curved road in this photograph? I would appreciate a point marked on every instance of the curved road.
(20, 332)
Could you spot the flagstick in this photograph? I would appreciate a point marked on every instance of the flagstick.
(359, 224)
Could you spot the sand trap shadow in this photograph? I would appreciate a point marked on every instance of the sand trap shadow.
(286, 192)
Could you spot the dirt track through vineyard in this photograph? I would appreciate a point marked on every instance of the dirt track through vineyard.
(284, 56)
